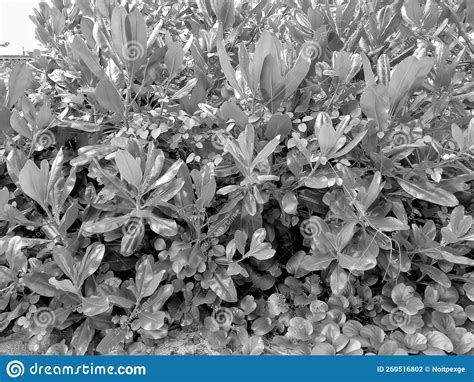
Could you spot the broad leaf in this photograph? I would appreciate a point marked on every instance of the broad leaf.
(108, 97)
(129, 167)
(223, 286)
(425, 190)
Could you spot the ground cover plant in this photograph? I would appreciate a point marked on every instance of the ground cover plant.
(286, 177)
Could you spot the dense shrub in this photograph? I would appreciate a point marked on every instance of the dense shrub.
(286, 177)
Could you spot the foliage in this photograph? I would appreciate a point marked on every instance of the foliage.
(288, 177)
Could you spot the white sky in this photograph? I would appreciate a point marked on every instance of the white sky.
(16, 27)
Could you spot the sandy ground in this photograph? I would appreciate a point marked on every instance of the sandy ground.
(13, 348)
(184, 343)
(179, 343)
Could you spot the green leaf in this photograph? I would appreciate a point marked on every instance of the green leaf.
(375, 105)
(34, 181)
(151, 320)
(168, 175)
(253, 346)
(129, 38)
(279, 124)
(82, 337)
(425, 190)
(222, 285)
(407, 74)
(108, 97)
(7, 275)
(327, 136)
(368, 73)
(159, 298)
(145, 279)
(19, 124)
(435, 274)
(174, 59)
(289, 203)
(135, 51)
(229, 72)
(338, 280)
(244, 62)
(389, 347)
(298, 73)
(263, 48)
(64, 285)
(317, 262)
(266, 151)
(439, 340)
(56, 170)
(104, 225)
(118, 31)
(161, 226)
(387, 224)
(262, 326)
(225, 12)
(38, 283)
(361, 255)
(94, 305)
(129, 167)
(90, 262)
(231, 110)
(20, 78)
(300, 329)
(63, 258)
(111, 341)
(323, 348)
(89, 59)
(271, 83)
